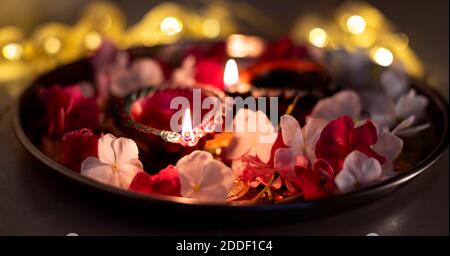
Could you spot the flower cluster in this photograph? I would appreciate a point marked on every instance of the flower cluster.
(348, 140)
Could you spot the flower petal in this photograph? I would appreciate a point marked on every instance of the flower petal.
(105, 149)
(358, 170)
(124, 150)
(216, 173)
(284, 157)
(93, 168)
(346, 103)
(411, 104)
(394, 82)
(128, 171)
(388, 145)
(311, 133)
(365, 134)
(291, 132)
(404, 124)
(412, 131)
(190, 168)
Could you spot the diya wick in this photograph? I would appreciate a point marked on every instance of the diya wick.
(231, 79)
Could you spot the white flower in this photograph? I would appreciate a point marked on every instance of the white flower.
(358, 170)
(346, 102)
(142, 73)
(300, 141)
(254, 135)
(410, 106)
(117, 162)
(390, 146)
(405, 128)
(204, 178)
(394, 82)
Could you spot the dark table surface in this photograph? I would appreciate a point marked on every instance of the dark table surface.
(34, 200)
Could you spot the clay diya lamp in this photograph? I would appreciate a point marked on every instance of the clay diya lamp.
(292, 80)
(145, 117)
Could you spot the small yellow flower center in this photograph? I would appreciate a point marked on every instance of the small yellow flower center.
(115, 168)
(196, 188)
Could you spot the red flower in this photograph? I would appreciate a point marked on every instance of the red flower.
(314, 183)
(209, 71)
(165, 182)
(77, 146)
(67, 109)
(339, 138)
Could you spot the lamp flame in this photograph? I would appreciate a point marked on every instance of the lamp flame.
(186, 129)
(231, 73)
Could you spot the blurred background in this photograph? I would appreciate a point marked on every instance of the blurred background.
(47, 33)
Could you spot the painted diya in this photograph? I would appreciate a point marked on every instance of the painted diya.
(302, 80)
(147, 115)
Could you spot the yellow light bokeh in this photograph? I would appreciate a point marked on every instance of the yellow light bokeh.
(52, 45)
(12, 51)
(211, 28)
(318, 37)
(383, 56)
(171, 26)
(356, 24)
(92, 40)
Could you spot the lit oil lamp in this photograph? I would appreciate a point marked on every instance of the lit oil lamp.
(291, 80)
(145, 117)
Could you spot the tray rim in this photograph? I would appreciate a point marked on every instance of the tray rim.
(378, 188)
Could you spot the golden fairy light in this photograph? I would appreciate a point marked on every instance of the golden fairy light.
(12, 51)
(318, 37)
(356, 24)
(52, 45)
(383, 56)
(171, 26)
(211, 28)
(92, 40)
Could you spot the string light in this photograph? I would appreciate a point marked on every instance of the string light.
(211, 28)
(92, 40)
(383, 56)
(12, 51)
(356, 24)
(171, 26)
(318, 37)
(52, 45)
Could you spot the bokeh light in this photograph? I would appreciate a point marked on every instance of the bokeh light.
(52, 45)
(211, 28)
(318, 37)
(171, 26)
(12, 51)
(356, 24)
(92, 40)
(383, 56)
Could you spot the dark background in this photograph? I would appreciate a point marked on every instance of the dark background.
(35, 201)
